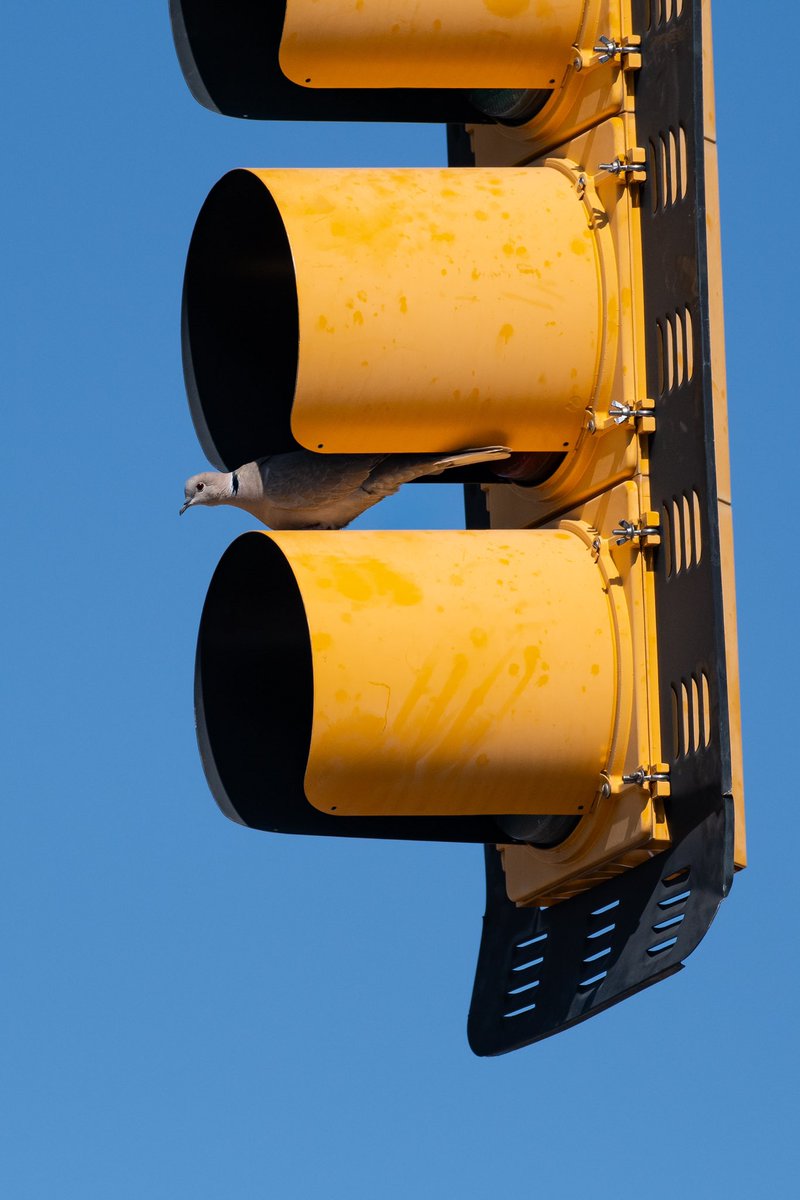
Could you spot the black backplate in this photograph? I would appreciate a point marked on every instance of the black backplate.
(541, 970)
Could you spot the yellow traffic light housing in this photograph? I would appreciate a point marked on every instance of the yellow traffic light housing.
(559, 681)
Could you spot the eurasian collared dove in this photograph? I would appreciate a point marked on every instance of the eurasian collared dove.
(321, 491)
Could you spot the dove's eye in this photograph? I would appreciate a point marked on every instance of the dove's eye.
(200, 487)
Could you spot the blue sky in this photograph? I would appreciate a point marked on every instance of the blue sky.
(192, 1009)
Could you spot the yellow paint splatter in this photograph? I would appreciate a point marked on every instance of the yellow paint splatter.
(364, 580)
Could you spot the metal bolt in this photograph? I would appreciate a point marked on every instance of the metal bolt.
(641, 776)
(618, 167)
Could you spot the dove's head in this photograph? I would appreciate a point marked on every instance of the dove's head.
(210, 487)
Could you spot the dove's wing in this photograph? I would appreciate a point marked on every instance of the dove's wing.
(302, 480)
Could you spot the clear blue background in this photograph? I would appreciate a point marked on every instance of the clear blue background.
(192, 1009)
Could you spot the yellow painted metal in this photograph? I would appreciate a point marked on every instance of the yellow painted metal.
(429, 43)
(435, 313)
(460, 672)
(605, 479)
(588, 93)
(605, 453)
(628, 825)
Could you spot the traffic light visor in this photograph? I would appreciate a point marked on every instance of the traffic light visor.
(379, 311)
(408, 60)
(410, 673)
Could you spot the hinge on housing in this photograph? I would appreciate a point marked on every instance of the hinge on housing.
(641, 413)
(628, 168)
(647, 532)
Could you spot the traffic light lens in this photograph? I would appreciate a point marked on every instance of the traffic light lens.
(542, 832)
(510, 106)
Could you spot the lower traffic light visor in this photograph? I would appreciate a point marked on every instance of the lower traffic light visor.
(379, 311)
(408, 674)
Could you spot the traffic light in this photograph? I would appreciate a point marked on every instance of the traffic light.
(559, 680)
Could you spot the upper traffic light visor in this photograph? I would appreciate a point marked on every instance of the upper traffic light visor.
(423, 60)
(380, 311)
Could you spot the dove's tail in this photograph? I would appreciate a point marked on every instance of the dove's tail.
(396, 469)
(467, 458)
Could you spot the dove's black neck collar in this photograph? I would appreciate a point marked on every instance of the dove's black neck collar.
(234, 483)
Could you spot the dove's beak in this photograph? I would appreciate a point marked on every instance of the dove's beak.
(184, 508)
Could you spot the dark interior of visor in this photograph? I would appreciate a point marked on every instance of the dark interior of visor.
(229, 56)
(240, 324)
(254, 685)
